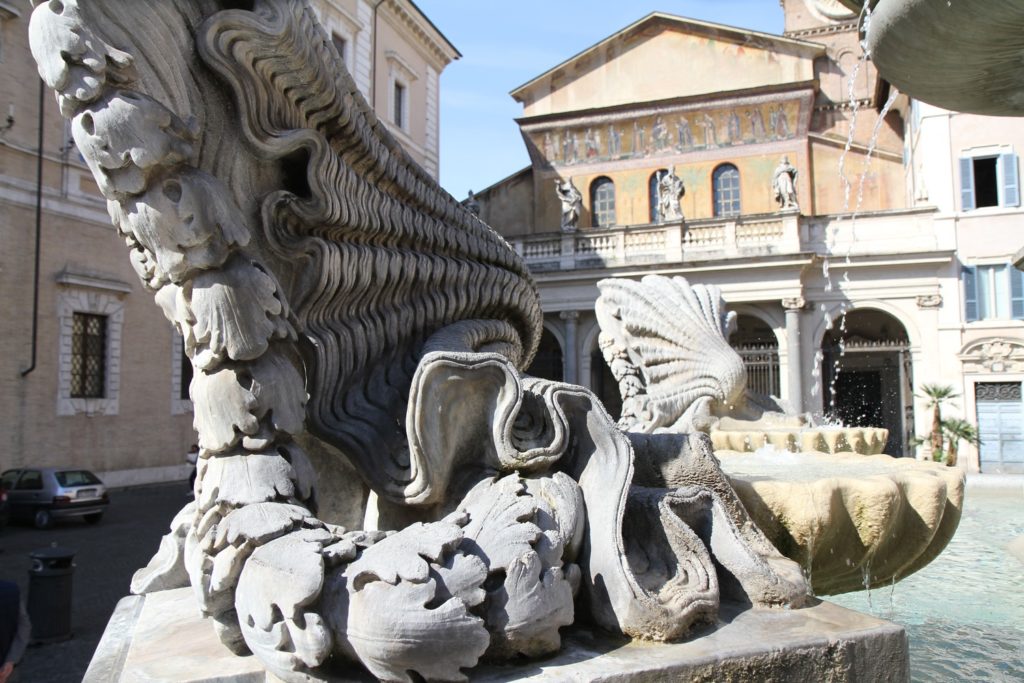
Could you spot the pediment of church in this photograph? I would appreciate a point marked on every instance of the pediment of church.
(662, 57)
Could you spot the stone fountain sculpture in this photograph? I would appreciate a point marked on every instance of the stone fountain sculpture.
(333, 298)
(825, 496)
(961, 56)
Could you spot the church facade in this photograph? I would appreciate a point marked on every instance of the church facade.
(779, 168)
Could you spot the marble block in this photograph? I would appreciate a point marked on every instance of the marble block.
(161, 637)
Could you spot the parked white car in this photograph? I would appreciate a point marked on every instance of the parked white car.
(43, 495)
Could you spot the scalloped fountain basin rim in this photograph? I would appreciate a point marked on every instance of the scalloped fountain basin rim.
(748, 437)
(852, 521)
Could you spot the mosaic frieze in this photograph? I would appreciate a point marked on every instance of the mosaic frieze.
(668, 133)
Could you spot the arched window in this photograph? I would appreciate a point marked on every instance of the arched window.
(726, 183)
(652, 193)
(602, 202)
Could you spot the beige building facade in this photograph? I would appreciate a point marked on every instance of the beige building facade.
(91, 373)
(848, 304)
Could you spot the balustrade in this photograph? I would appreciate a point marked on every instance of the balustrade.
(694, 241)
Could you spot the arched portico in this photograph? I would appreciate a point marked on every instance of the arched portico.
(758, 345)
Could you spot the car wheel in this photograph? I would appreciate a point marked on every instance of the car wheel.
(43, 519)
(94, 517)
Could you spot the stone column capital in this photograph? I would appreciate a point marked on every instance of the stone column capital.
(569, 315)
(794, 303)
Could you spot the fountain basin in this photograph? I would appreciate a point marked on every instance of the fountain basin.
(852, 521)
(746, 436)
(962, 56)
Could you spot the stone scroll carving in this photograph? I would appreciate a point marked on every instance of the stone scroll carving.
(330, 294)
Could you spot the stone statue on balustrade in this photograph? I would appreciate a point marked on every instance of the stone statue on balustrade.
(350, 322)
(784, 185)
(472, 204)
(670, 193)
(572, 204)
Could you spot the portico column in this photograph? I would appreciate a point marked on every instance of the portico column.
(794, 374)
(570, 364)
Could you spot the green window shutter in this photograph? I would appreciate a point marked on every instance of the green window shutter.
(1011, 180)
(966, 184)
(970, 276)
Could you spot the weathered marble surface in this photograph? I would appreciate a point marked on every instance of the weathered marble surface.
(960, 56)
(334, 301)
(824, 496)
(852, 521)
(819, 643)
(667, 344)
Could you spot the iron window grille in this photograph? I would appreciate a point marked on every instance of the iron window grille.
(88, 355)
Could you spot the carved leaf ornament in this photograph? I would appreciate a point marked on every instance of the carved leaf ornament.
(324, 282)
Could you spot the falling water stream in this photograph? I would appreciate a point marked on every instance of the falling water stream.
(832, 231)
(964, 612)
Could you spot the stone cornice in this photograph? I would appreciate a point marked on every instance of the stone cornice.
(71, 279)
(823, 30)
(416, 23)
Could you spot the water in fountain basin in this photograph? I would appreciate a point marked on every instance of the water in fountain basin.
(964, 613)
(808, 466)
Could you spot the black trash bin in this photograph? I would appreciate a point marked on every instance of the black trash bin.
(49, 594)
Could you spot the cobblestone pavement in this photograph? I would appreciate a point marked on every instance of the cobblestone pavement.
(107, 555)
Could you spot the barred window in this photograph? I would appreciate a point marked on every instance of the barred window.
(88, 355)
(602, 202)
(726, 185)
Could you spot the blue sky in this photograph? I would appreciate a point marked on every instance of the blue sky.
(505, 43)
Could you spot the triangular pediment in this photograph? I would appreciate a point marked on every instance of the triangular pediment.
(664, 56)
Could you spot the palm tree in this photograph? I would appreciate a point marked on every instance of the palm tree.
(937, 395)
(956, 430)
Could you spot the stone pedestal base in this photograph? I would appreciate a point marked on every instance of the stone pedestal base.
(161, 637)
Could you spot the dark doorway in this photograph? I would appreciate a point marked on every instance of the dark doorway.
(547, 364)
(868, 376)
(861, 389)
(604, 385)
(758, 346)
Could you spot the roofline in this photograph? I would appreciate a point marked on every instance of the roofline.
(510, 176)
(708, 98)
(442, 36)
(515, 92)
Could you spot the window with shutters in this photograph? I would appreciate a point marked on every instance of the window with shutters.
(993, 292)
(989, 180)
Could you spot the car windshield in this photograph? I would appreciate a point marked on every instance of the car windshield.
(76, 478)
